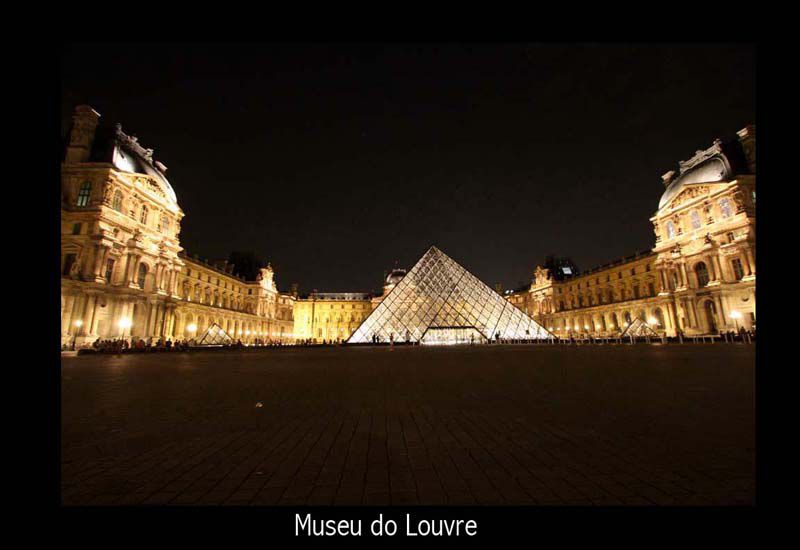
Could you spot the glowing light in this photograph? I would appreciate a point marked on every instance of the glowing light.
(736, 315)
(247, 332)
(192, 327)
(652, 321)
(79, 323)
(125, 322)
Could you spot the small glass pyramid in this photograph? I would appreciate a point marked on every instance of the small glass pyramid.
(440, 302)
(214, 336)
(639, 327)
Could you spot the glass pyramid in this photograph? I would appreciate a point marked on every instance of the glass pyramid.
(440, 302)
(215, 336)
(639, 327)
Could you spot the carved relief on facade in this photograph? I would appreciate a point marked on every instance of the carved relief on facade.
(689, 194)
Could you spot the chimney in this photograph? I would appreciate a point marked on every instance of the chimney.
(81, 137)
(747, 137)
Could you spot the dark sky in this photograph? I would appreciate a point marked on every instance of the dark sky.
(333, 161)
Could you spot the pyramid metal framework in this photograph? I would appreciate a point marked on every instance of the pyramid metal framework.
(440, 302)
(639, 327)
(214, 336)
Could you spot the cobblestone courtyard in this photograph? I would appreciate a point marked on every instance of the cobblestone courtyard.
(583, 425)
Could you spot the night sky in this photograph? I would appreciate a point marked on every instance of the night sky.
(335, 161)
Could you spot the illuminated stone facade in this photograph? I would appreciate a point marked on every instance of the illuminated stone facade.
(123, 273)
(330, 316)
(699, 278)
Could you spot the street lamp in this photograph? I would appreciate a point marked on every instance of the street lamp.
(735, 315)
(78, 325)
(124, 323)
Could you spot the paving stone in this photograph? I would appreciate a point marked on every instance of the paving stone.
(551, 425)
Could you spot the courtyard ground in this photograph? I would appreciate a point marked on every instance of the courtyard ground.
(552, 425)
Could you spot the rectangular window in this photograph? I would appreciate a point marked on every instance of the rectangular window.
(76, 228)
(738, 271)
(83, 194)
(109, 270)
(636, 291)
(651, 289)
(69, 261)
(730, 237)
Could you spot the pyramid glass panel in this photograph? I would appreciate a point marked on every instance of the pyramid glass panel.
(639, 327)
(215, 336)
(440, 302)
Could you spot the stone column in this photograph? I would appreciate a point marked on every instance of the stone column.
(133, 265)
(672, 314)
(66, 317)
(717, 267)
(723, 321)
(100, 252)
(751, 260)
(151, 320)
(745, 263)
(88, 307)
(664, 283)
(683, 276)
(692, 312)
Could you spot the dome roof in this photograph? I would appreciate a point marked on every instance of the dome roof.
(711, 170)
(395, 276)
(128, 156)
(720, 162)
(112, 145)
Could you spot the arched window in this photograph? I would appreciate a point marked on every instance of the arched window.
(116, 204)
(670, 230)
(163, 225)
(628, 317)
(659, 315)
(702, 273)
(725, 208)
(142, 275)
(695, 216)
(83, 193)
(143, 214)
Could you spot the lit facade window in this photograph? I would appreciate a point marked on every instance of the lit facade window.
(116, 203)
(69, 261)
(738, 270)
(142, 275)
(83, 194)
(143, 215)
(109, 270)
(701, 270)
(695, 217)
(670, 230)
(725, 208)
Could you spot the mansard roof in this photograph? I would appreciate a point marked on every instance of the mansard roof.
(719, 163)
(113, 146)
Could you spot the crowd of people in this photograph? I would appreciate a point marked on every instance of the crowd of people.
(120, 345)
(123, 345)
